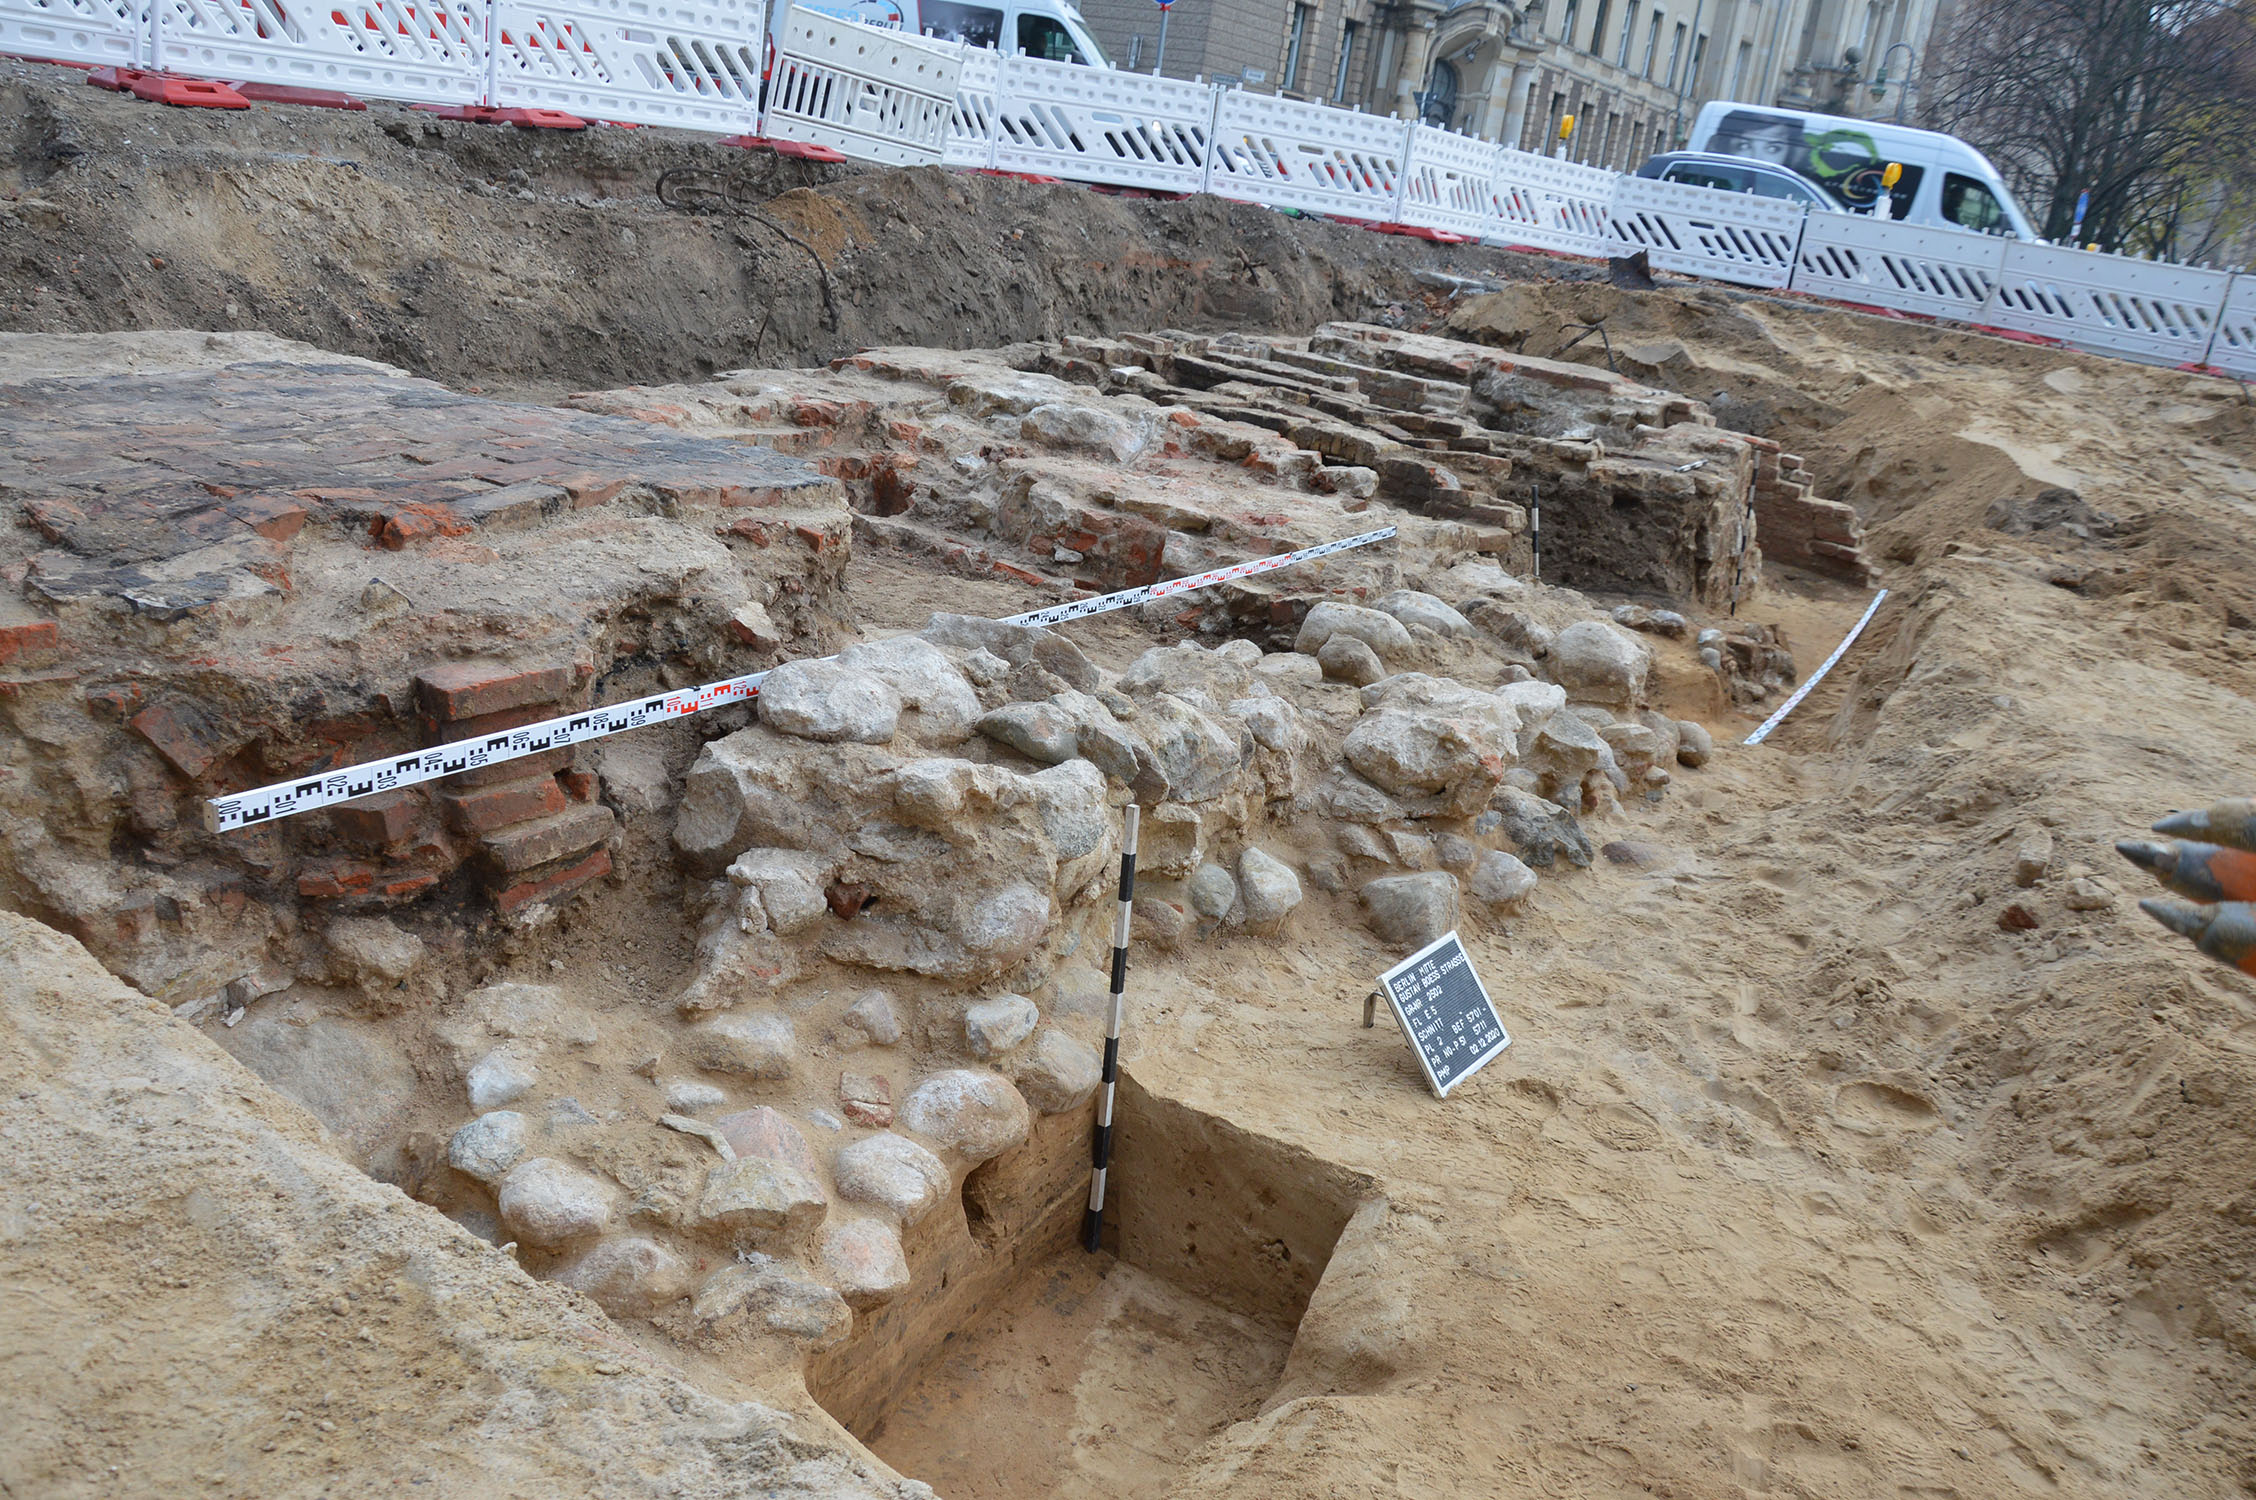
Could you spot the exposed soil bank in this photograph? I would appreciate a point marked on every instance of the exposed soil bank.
(523, 259)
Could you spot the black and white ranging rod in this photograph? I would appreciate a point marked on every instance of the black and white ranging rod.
(285, 798)
(1092, 1223)
(1535, 529)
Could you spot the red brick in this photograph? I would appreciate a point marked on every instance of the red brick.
(417, 523)
(590, 490)
(327, 879)
(467, 689)
(527, 845)
(479, 725)
(270, 516)
(181, 736)
(578, 785)
(489, 808)
(406, 886)
(744, 526)
(517, 897)
(813, 536)
(511, 770)
(385, 818)
(39, 635)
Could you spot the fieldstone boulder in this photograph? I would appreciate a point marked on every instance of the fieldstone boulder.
(686, 1096)
(767, 1295)
(1430, 735)
(760, 1196)
(874, 1016)
(546, 1202)
(1501, 881)
(488, 1146)
(828, 701)
(755, 1043)
(1597, 663)
(1344, 658)
(994, 1026)
(1188, 669)
(499, 1078)
(1565, 751)
(1413, 608)
(1045, 731)
(1383, 633)
(1212, 892)
(1269, 888)
(373, 950)
(628, 1277)
(975, 1114)
(1412, 910)
(761, 1131)
(863, 1259)
(1015, 644)
(1158, 922)
(1196, 758)
(927, 682)
(784, 887)
(1542, 831)
(1073, 808)
(1060, 1072)
(1693, 744)
(892, 1172)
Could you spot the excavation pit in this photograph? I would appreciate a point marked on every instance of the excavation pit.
(1019, 1365)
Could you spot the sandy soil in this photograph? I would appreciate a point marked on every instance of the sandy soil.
(1804, 1177)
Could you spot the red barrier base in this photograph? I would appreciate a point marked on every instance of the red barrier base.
(163, 88)
(52, 62)
(486, 114)
(1035, 177)
(2018, 337)
(803, 150)
(285, 93)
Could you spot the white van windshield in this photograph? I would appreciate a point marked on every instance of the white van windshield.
(951, 22)
(1971, 205)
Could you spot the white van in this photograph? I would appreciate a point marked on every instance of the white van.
(1048, 29)
(1945, 183)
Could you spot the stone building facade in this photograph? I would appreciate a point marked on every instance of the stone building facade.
(1631, 72)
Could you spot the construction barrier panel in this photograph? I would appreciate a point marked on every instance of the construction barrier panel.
(644, 62)
(1319, 160)
(113, 32)
(1700, 231)
(1547, 204)
(2111, 304)
(2234, 347)
(1447, 183)
(422, 51)
(1940, 273)
(972, 135)
(1099, 125)
(874, 94)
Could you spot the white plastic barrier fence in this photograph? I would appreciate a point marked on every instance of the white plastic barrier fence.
(1447, 183)
(2140, 309)
(1319, 160)
(971, 123)
(646, 62)
(2234, 347)
(427, 51)
(91, 31)
(1552, 205)
(870, 93)
(1939, 272)
(1099, 125)
(1704, 232)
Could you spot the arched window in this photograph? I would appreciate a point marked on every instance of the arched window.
(1438, 105)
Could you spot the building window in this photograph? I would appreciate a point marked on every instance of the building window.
(1636, 145)
(1629, 29)
(1676, 54)
(1438, 104)
(1550, 141)
(1699, 57)
(1598, 30)
(1567, 21)
(1652, 44)
(1347, 53)
(1739, 70)
(1295, 45)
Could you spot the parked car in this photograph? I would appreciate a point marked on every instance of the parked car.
(1945, 183)
(1736, 174)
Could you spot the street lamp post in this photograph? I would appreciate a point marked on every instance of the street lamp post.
(1880, 79)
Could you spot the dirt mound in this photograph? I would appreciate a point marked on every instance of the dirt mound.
(533, 260)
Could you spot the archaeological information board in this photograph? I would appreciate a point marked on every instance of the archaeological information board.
(1444, 1011)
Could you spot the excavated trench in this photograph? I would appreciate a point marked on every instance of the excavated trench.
(1020, 1365)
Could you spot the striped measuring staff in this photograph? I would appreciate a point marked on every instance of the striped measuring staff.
(1092, 1222)
(284, 799)
(1763, 731)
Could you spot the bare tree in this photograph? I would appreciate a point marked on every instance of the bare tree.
(2148, 105)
